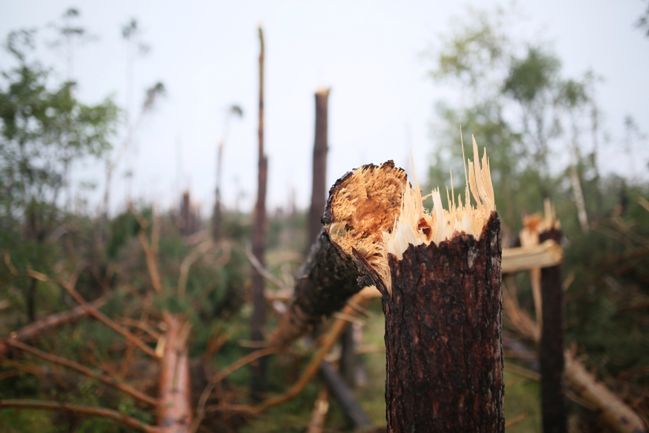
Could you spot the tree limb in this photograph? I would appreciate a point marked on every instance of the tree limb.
(83, 410)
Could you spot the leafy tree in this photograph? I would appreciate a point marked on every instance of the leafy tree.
(44, 128)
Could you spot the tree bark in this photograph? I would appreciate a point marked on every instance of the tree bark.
(551, 350)
(443, 336)
(174, 409)
(258, 319)
(319, 184)
(331, 274)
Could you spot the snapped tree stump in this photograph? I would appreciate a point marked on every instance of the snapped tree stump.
(442, 304)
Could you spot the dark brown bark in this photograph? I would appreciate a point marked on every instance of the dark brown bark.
(443, 336)
(174, 409)
(345, 396)
(319, 184)
(329, 276)
(37, 328)
(551, 350)
(327, 279)
(188, 223)
(258, 319)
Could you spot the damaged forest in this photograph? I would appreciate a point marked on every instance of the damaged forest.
(501, 286)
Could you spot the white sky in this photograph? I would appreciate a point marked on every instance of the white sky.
(370, 52)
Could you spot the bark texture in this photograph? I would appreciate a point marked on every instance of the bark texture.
(258, 319)
(443, 337)
(174, 409)
(326, 281)
(328, 277)
(320, 147)
(551, 350)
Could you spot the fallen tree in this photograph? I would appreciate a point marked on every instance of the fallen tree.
(361, 206)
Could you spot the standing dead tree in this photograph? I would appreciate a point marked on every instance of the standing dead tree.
(320, 148)
(553, 406)
(258, 319)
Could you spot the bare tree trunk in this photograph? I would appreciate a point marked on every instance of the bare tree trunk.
(551, 351)
(319, 184)
(443, 336)
(174, 409)
(258, 318)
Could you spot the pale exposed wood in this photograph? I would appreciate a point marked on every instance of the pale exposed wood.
(548, 253)
(174, 409)
(319, 414)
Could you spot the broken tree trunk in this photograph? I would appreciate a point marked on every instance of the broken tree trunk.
(319, 184)
(361, 206)
(258, 319)
(174, 409)
(441, 289)
(553, 406)
(443, 336)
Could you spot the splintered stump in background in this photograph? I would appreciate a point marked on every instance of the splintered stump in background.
(361, 206)
(551, 351)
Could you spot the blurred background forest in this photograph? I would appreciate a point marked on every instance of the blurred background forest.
(76, 229)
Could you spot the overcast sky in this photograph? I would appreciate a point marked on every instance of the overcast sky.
(369, 52)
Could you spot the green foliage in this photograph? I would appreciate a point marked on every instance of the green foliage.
(43, 129)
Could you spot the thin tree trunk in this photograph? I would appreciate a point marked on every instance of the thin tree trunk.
(258, 319)
(551, 351)
(443, 336)
(174, 409)
(320, 147)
